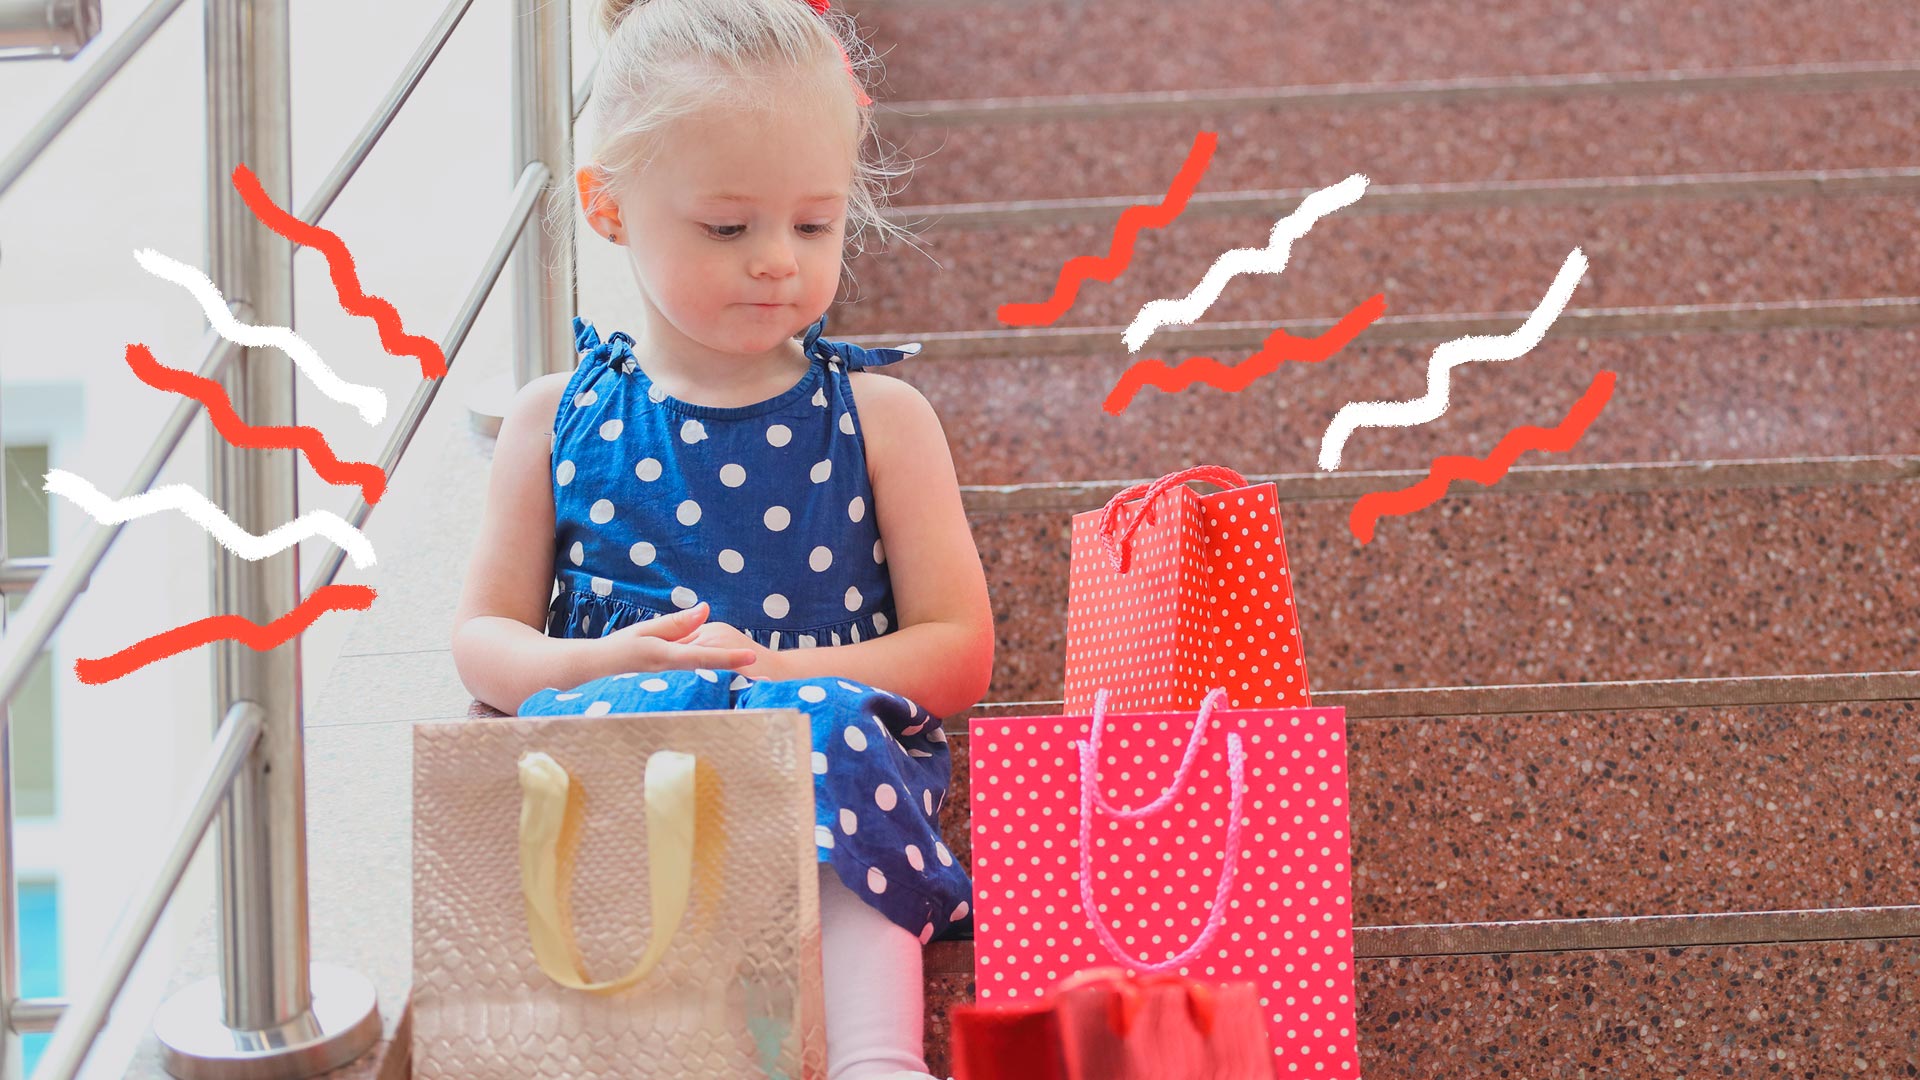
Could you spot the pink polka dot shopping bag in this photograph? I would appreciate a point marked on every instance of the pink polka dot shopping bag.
(1213, 845)
(1172, 594)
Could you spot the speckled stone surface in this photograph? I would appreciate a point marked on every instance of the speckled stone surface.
(1652, 252)
(1679, 397)
(1658, 812)
(1014, 47)
(1805, 1010)
(943, 993)
(1495, 589)
(1461, 142)
(1635, 813)
(1828, 1009)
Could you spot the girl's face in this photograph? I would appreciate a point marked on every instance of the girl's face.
(735, 230)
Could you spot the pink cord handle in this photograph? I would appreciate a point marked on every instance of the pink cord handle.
(1120, 547)
(1090, 793)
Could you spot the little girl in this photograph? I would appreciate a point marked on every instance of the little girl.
(744, 519)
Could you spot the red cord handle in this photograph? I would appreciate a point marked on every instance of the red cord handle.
(1118, 540)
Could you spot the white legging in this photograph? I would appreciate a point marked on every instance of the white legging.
(875, 996)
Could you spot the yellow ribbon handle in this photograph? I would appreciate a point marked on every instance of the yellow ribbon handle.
(550, 816)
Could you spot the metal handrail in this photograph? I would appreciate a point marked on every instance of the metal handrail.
(112, 59)
(376, 125)
(583, 91)
(80, 1025)
(252, 944)
(525, 195)
(47, 605)
(21, 573)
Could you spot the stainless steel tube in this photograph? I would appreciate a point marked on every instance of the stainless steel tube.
(263, 836)
(376, 125)
(29, 630)
(543, 268)
(21, 575)
(526, 195)
(82, 91)
(46, 29)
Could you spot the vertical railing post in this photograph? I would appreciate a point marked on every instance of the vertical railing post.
(10, 1058)
(544, 297)
(278, 1014)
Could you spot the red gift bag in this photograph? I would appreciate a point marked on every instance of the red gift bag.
(1178, 593)
(1106, 1025)
(1229, 866)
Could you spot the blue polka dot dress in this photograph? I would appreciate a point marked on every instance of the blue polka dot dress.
(765, 512)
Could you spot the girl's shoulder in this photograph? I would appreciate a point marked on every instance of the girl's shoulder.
(895, 417)
(538, 402)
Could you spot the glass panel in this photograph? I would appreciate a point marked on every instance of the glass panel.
(39, 955)
(29, 534)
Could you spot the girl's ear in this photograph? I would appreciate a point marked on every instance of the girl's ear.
(595, 200)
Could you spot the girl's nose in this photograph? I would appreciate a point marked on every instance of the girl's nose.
(774, 259)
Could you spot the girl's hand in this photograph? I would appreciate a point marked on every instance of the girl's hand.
(719, 635)
(672, 642)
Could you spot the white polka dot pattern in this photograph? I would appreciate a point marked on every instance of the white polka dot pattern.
(1289, 923)
(1207, 601)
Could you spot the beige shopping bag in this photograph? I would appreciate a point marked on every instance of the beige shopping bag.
(616, 897)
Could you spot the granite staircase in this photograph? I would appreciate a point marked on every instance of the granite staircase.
(1635, 734)
(1636, 763)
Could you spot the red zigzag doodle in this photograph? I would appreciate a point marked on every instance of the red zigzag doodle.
(1105, 268)
(1445, 470)
(220, 627)
(346, 281)
(1279, 348)
(371, 479)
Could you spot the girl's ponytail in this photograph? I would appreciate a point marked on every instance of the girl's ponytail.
(610, 12)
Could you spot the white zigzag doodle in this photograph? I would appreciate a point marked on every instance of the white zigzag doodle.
(370, 400)
(1267, 260)
(1451, 354)
(185, 499)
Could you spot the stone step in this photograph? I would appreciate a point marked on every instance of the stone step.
(949, 49)
(1782, 393)
(1819, 1008)
(1438, 141)
(1600, 813)
(1478, 259)
(1532, 585)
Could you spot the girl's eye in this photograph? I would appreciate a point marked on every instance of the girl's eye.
(718, 231)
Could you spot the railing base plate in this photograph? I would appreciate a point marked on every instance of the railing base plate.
(195, 1045)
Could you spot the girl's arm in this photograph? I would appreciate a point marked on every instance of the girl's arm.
(500, 644)
(941, 655)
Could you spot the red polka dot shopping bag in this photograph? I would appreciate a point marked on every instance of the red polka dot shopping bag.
(1213, 844)
(1171, 594)
(1108, 1024)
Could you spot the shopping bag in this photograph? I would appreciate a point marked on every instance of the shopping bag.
(1113, 840)
(1171, 594)
(1105, 1024)
(616, 896)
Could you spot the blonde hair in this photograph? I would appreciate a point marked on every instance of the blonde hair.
(663, 59)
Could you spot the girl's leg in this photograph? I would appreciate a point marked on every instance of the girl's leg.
(875, 996)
